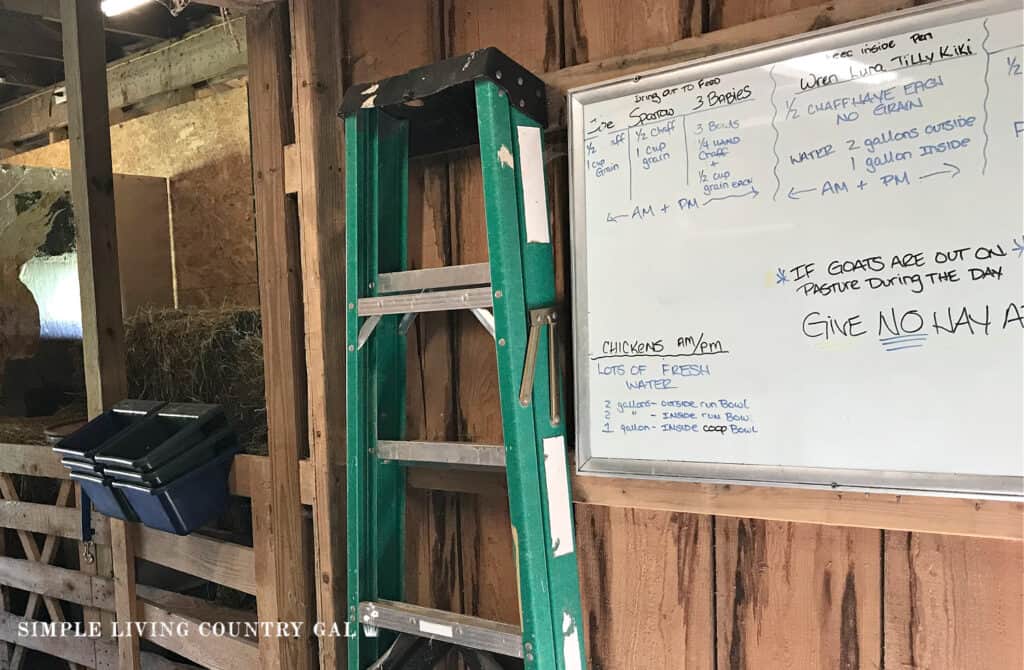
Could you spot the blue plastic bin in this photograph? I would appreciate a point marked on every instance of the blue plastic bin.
(124, 418)
(176, 429)
(194, 458)
(105, 499)
(188, 502)
(81, 466)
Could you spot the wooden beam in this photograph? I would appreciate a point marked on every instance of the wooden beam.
(90, 652)
(317, 55)
(248, 472)
(48, 580)
(925, 514)
(50, 520)
(191, 607)
(244, 5)
(217, 52)
(140, 23)
(215, 652)
(281, 542)
(29, 74)
(34, 554)
(92, 192)
(122, 546)
(27, 36)
(796, 22)
(31, 459)
(222, 562)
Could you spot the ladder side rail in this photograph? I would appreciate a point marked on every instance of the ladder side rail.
(539, 284)
(522, 461)
(390, 255)
(360, 137)
(376, 150)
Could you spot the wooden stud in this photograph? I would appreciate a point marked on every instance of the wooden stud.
(6, 649)
(283, 584)
(316, 26)
(92, 183)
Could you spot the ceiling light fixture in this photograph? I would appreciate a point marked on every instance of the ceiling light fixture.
(115, 7)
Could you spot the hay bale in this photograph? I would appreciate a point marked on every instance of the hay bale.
(202, 355)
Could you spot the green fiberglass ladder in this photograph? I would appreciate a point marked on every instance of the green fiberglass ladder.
(482, 98)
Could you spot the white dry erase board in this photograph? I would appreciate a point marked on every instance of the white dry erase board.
(801, 264)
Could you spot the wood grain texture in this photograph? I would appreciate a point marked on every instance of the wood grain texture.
(980, 518)
(92, 192)
(530, 33)
(597, 29)
(316, 55)
(224, 563)
(646, 580)
(54, 582)
(797, 596)
(284, 585)
(725, 13)
(953, 602)
(378, 47)
(708, 44)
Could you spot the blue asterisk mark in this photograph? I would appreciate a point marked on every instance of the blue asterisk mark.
(1018, 246)
(780, 276)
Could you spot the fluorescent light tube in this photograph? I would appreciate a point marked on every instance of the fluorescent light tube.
(115, 7)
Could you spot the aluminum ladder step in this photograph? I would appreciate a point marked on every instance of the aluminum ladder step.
(436, 301)
(430, 279)
(464, 454)
(459, 629)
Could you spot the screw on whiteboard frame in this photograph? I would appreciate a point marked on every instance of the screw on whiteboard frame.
(835, 485)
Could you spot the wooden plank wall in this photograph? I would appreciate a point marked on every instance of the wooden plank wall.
(660, 589)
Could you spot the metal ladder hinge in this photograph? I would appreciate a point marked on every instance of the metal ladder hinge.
(539, 318)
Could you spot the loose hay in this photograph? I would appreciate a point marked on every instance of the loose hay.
(21, 430)
(202, 355)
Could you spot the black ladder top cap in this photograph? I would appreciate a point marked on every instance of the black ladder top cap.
(439, 101)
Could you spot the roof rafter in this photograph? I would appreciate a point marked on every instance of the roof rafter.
(23, 35)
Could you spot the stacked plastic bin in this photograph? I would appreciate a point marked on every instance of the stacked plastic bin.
(164, 464)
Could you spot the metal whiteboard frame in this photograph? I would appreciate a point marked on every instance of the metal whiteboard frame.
(887, 481)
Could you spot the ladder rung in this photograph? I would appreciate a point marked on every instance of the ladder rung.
(459, 629)
(443, 453)
(477, 274)
(438, 301)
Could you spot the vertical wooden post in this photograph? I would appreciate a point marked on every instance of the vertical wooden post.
(92, 187)
(282, 548)
(316, 27)
(5, 648)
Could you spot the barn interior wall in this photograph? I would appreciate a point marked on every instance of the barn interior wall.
(202, 148)
(661, 590)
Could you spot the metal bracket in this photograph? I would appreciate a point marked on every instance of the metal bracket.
(406, 323)
(486, 319)
(87, 530)
(539, 318)
(367, 329)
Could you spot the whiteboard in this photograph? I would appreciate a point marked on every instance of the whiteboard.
(801, 264)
